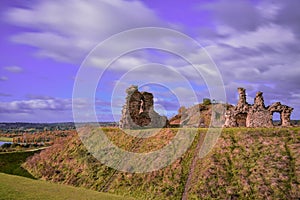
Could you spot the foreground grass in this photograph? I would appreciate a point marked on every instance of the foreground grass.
(15, 187)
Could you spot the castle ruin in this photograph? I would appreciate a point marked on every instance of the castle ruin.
(256, 115)
(138, 111)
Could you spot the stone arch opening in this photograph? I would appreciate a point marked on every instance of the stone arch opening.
(241, 119)
(276, 118)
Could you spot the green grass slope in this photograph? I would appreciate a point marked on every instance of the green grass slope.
(6, 139)
(244, 164)
(16, 187)
(10, 163)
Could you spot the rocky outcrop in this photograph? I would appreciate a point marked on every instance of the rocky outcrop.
(256, 115)
(138, 111)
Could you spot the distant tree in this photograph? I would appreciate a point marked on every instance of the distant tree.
(6, 145)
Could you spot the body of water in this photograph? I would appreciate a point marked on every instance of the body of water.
(2, 142)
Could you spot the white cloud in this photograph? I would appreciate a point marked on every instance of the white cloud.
(271, 35)
(57, 104)
(3, 78)
(66, 30)
(53, 110)
(124, 63)
(24, 106)
(13, 69)
(240, 15)
(271, 11)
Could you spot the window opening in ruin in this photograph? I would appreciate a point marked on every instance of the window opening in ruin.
(141, 106)
(241, 119)
(276, 119)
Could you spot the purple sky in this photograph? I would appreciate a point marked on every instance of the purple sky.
(254, 44)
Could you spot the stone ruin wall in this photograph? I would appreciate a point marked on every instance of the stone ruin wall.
(138, 111)
(256, 115)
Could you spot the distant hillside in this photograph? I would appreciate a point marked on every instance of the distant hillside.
(37, 127)
(245, 164)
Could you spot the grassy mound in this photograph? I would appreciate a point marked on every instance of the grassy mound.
(245, 163)
(16, 187)
(250, 164)
(10, 163)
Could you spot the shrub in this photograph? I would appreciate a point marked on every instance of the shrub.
(206, 101)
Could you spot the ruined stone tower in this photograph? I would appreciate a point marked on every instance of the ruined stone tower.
(138, 111)
(256, 115)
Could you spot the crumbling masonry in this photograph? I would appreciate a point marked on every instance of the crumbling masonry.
(138, 111)
(256, 115)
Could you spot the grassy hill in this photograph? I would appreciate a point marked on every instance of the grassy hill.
(245, 164)
(16, 187)
(10, 163)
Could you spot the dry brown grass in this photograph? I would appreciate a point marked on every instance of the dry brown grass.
(245, 164)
